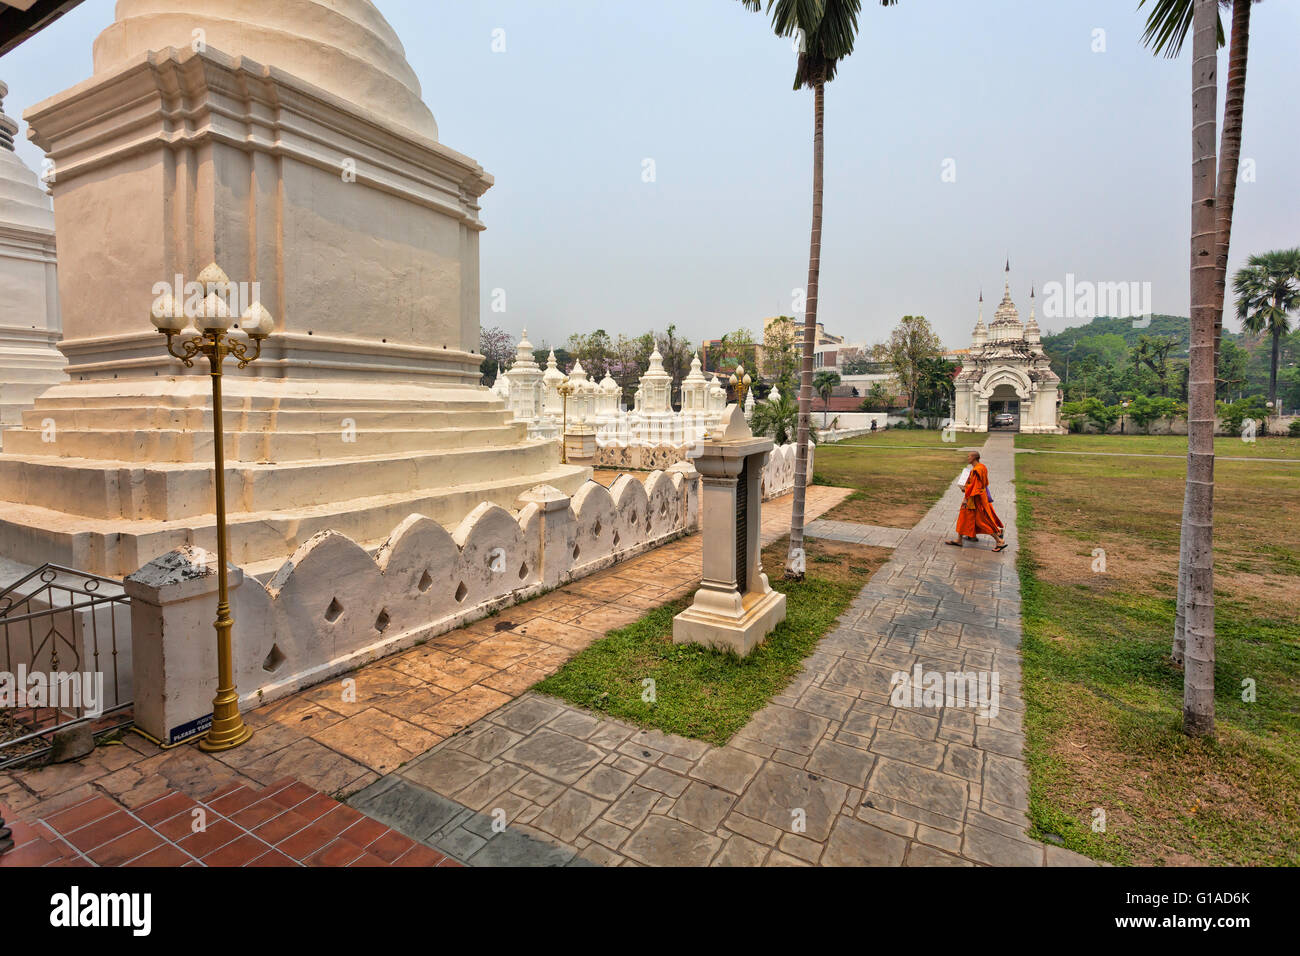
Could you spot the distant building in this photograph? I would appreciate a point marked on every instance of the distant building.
(1006, 380)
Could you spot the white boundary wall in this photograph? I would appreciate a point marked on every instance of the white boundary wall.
(332, 607)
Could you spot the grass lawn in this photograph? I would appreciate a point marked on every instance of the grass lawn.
(1104, 699)
(1269, 447)
(707, 694)
(896, 476)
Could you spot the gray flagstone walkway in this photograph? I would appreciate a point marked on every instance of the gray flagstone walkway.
(830, 773)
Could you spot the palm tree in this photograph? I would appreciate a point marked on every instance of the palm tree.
(1167, 28)
(824, 385)
(1267, 289)
(777, 419)
(827, 29)
(1196, 579)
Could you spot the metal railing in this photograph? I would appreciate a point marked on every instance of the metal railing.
(62, 637)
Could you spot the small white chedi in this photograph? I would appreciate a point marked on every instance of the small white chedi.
(304, 162)
(29, 296)
(1007, 370)
(534, 398)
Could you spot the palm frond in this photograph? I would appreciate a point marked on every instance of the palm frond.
(1169, 23)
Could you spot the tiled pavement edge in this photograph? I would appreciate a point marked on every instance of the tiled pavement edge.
(829, 773)
(344, 734)
(285, 824)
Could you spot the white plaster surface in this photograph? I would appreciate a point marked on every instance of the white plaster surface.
(332, 606)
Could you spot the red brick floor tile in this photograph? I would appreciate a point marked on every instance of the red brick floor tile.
(274, 858)
(22, 832)
(364, 832)
(306, 841)
(293, 795)
(101, 831)
(419, 855)
(281, 827)
(164, 808)
(139, 841)
(218, 833)
(36, 853)
(315, 806)
(75, 861)
(230, 786)
(165, 855)
(450, 862)
(253, 816)
(368, 859)
(239, 853)
(85, 812)
(335, 853)
(182, 825)
(234, 801)
(390, 846)
(341, 817)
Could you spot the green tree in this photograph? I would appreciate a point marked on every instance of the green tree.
(935, 392)
(1267, 291)
(1153, 352)
(826, 30)
(777, 419)
(910, 346)
(781, 352)
(594, 350)
(877, 398)
(1231, 374)
(824, 385)
(676, 352)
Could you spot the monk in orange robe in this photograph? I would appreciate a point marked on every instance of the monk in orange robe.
(977, 515)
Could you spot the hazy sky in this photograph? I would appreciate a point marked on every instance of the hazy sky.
(1066, 159)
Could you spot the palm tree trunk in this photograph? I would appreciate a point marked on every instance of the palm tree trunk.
(1198, 515)
(794, 561)
(1272, 368)
(1234, 102)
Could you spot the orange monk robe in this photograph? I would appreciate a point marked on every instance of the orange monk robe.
(977, 515)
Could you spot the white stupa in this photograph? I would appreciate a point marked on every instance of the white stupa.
(30, 329)
(287, 142)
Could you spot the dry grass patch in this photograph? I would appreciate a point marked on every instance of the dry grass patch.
(895, 479)
(1104, 698)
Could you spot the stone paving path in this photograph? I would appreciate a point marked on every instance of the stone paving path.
(339, 737)
(829, 773)
(854, 533)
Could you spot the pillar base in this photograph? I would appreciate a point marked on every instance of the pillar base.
(760, 616)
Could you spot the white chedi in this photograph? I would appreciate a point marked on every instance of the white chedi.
(30, 321)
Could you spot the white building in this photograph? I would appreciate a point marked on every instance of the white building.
(30, 330)
(1007, 373)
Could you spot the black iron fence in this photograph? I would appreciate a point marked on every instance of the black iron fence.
(65, 650)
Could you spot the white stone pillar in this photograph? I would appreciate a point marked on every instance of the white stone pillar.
(174, 648)
(735, 608)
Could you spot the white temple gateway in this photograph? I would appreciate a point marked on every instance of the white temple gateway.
(1007, 374)
(29, 293)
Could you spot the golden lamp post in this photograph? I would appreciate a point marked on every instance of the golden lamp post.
(214, 340)
(740, 380)
(565, 389)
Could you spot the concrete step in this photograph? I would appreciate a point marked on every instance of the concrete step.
(260, 541)
(280, 445)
